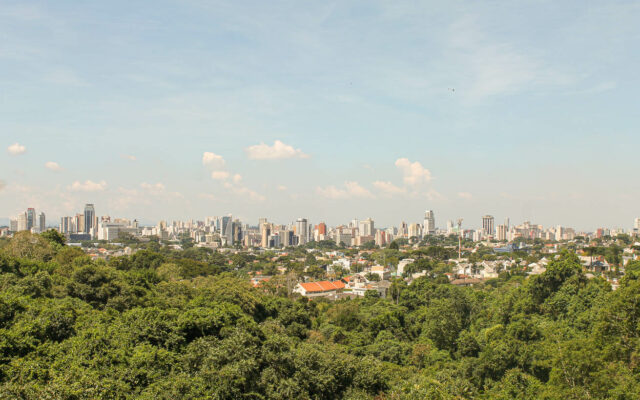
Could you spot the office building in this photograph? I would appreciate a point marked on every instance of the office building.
(366, 228)
(89, 219)
(488, 225)
(42, 222)
(22, 222)
(31, 218)
(501, 232)
(301, 231)
(429, 227)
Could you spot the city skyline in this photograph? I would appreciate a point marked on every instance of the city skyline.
(346, 109)
(88, 223)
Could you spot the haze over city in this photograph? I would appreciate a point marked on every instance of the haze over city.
(328, 110)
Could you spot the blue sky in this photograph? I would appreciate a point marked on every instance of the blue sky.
(329, 110)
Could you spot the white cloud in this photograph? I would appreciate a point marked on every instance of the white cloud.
(53, 166)
(16, 149)
(88, 186)
(219, 175)
(2, 185)
(207, 196)
(465, 195)
(350, 190)
(278, 151)
(244, 192)
(237, 178)
(212, 160)
(281, 188)
(413, 173)
(388, 188)
(153, 188)
(433, 195)
(129, 157)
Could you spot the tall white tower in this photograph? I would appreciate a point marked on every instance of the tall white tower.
(429, 227)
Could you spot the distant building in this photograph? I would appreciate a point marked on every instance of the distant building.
(42, 222)
(22, 222)
(501, 232)
(415, 230)
(429, 227)
(366, 228)
(322, 228)
(31, 218)
(302, 230)
(265, 231)
(89, 219)
(488, 225)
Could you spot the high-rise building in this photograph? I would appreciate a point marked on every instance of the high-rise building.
(429, 227)
(450, 228)
(42, 222)
(414, 231)
(322, 228)
(89, 218)
(302, 230)
(501, 232)
(366, 228)
(403, 229)
(31, 218)
(636, 224)
(287, 237)
(22, 222)
(381, 238)
(488, 225)
(13, 225)
(265, 231)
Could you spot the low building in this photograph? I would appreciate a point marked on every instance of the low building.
(319, 289)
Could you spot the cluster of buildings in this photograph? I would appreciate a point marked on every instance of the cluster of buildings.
(224, 231)
(28, 221)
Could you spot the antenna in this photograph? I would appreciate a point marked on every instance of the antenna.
(459, 238)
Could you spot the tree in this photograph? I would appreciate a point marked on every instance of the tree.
(26, 245)
(55, 238)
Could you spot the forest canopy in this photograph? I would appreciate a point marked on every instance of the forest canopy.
(187, 325)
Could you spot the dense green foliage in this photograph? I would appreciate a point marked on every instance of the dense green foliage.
(183, 324)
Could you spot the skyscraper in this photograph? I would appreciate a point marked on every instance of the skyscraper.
(487, 225)
(31, 218)
(42, 222)
(301, 230)
(429, 227)
(22, 222)
(265, 231)
(501, 232)
(89, 218)
(322, 228)
(366, 227)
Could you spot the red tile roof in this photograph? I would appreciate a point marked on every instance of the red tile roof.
(322, 286)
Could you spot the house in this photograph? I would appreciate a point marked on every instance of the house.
(257, 280)
(403, 263)
(536, 269)
(358, 285)
(319, 289)
(382, 271)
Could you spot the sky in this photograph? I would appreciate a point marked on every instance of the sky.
(329, 110)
